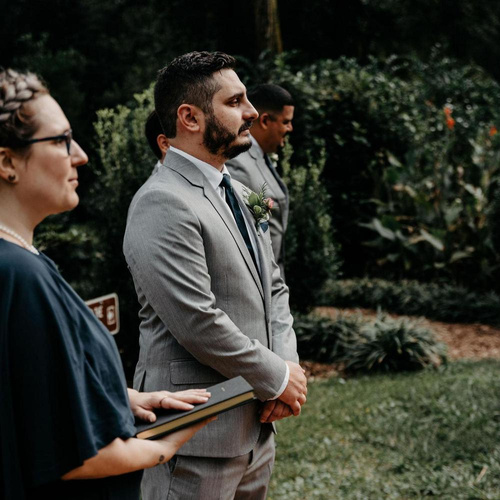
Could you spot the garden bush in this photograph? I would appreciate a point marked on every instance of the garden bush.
(311, 250)
(75, 250)
(439, 301)
(412, 153)
(390, 345)
(122, 164)
(318, 336)
(360, 345)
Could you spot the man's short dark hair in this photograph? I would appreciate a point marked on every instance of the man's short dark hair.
(269, 98)
(188, 79)
(152, 130)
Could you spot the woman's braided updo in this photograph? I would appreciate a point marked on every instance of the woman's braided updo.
(16, 123)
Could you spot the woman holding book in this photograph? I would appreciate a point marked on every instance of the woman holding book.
(66, 416)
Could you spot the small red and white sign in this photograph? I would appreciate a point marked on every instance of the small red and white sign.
(106, 310)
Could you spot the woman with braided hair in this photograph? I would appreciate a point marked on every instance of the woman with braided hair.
(66, 418)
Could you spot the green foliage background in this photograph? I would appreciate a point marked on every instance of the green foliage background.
(409, 196)
(96, 54)
(383, 188)
(381, 185)
(438, 301)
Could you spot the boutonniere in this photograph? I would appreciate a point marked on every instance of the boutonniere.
(260, 206)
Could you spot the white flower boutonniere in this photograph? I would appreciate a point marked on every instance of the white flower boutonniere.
(260, 207)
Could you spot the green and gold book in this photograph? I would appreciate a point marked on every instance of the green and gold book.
(224, 396)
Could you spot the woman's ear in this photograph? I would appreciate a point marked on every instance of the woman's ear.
(189, 117)
(8, 162)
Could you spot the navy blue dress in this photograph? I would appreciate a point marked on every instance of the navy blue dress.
(63, 392)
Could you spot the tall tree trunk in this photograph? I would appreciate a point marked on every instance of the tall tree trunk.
(267, 26)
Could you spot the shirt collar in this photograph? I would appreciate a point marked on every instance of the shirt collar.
(213, 176)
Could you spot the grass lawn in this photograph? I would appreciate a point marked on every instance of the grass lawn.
(428, 434)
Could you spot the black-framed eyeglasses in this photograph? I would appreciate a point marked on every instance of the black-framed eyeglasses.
(67, 137)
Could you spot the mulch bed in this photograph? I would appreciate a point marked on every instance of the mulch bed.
(464, 341)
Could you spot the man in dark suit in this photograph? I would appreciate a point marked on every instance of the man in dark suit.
(254, 167)
(213, 304)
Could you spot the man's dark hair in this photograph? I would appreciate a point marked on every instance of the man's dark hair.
(270, 98)
(188, 79)
(152, 130)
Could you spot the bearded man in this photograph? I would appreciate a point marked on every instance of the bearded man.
(213, 304)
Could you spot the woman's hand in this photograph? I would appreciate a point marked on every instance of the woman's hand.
(143, 403)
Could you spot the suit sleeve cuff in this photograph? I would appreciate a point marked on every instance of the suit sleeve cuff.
(283, 385)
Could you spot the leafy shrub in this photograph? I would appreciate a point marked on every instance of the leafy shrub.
(390, 345)
(75, 250)
(361, 345)
(493, 218)
(411, 153)
(318, 336)
(122, 163)
(439, 301)
(311, 250)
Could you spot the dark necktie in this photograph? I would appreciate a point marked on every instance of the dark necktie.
(275, 174)
(238, 216)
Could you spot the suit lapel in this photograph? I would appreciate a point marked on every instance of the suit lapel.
(267, 173)
(194, 176)
(274, 181)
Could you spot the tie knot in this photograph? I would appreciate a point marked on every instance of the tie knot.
(226, 182)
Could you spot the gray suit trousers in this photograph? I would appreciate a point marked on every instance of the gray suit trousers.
(200, 478)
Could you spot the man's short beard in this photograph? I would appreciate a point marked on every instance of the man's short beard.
(220, 141)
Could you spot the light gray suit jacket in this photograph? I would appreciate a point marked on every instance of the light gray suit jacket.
(206, 313)
(251, 169)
